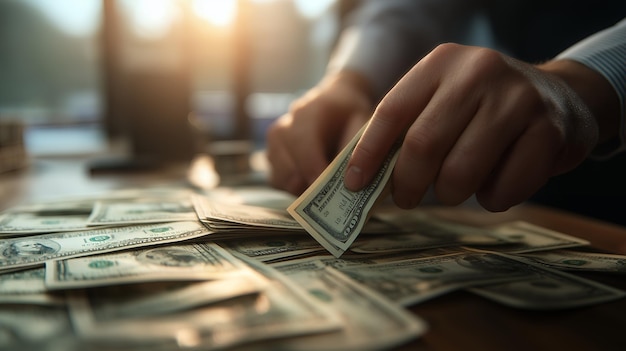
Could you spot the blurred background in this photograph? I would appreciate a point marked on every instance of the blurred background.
(96, 77)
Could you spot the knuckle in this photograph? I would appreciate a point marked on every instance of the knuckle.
(444, 50)
(391, 106)
(485, 58)
(366, 152)
(486, 65)
(420, 144)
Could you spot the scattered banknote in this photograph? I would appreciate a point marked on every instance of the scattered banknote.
(527, 237)
(580, 261)
(35, 250)
(281, 310)
(37, 328)
(548, 289)
(27, 223)
(332, 214)
(416, 280)
(406, 255)
(416, 220)
(319, 262)
(274, 247)
(418, 230)
(73, 214)
(171, 193)
(144, 211)
(80, 206)
(27, 287)
(253, 195)
(183, 262)
(426, 236)
(129, 301)
(29, 281)
(356, 305)
(237, 217)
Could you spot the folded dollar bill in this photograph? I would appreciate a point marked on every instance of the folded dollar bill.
(332, 214)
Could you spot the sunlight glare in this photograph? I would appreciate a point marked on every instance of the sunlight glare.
(313, 8)
(78, 18)
(217, 12)
(152, 18)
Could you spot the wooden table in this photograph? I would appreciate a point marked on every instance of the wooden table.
(458, 321)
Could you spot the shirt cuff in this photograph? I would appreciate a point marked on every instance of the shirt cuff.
(605, 52)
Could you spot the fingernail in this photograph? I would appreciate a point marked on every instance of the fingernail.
(353, 179)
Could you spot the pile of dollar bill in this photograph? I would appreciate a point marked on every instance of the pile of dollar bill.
(170, 269)
(165, 270)
(175, 269)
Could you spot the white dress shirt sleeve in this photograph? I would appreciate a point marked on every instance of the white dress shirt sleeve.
(605, 52)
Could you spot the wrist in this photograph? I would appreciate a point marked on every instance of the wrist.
(594, 90)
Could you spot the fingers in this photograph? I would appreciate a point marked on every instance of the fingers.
(286, 176)
(497, 124)
(393, 116)
(302, 142)
(473, 122)
(470, 120)
(434, 107)
(296, 157)
(308, 145)
(523, 170)
(426, 144)
(370, 151)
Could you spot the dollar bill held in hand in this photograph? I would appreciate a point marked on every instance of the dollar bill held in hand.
(35, 250)
(334, 215)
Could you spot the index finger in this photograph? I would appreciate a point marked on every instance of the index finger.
(393, 116)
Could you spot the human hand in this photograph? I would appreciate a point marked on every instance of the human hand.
(301, 143)
(474, 121)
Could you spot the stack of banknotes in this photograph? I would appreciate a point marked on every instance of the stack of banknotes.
(237, 268)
